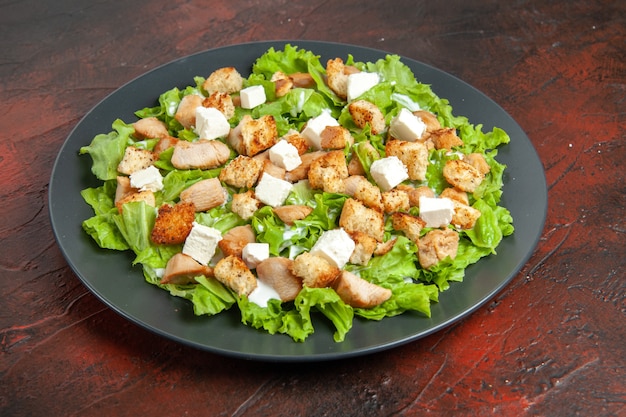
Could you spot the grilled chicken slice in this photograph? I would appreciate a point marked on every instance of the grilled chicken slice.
(276, 272)
(302, 171)
(357, 292)
(150, 128)
(291, 213)
(236, 239)
(203, 154)
(204, 194)
(182, 269)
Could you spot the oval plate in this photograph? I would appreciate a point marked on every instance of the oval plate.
(110, 276)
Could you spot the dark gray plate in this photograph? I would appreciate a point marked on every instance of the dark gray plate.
(110, 276)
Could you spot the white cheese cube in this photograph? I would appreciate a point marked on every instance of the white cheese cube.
(211, 123)
(253, 253)
(314, 128)
(407, 126)
(262, 294)
(335, 246)
(272, 191)
(388, 172)
(436, 212)
(147, 179)
(285, 155)
(360, 82)
(252, 96)
(202, 243)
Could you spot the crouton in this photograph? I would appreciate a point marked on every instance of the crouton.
(302, 171)
(236, 239)
(235, 274)
(245, 204)
(383, 247)
(294, 138)
(276, 272)
(445, 138)
(123, 188)
(282, 83)
(416, 193)
(477, 160)
(437, 245)
(408, 224)
(462, 175)
(455, 194)
(464, 216)
(135, 159)
(150, 128)
(364, 113)
(252, 136)
(395, 200)
(242, 171)
(359, 293)
(290, 213)
(337, 78)
(202, 154)
(315, 271)
(430, 120)
(186, 111)
(222, 102)
(182, 269)
(145, 196)
(173, 223)
(328, 172)
(224, 80)
(335, 137)
(356, 217)
(205, 194)
(414, 155)
(364, 247)
(359, 187)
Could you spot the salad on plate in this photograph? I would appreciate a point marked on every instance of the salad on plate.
(332, 189)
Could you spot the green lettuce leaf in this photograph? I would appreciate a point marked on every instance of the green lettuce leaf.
(107, 150)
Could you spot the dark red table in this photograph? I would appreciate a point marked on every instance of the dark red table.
(550, 344)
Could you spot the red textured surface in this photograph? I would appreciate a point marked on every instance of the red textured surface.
(550, 344)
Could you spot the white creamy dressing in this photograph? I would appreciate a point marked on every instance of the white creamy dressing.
(262, 294)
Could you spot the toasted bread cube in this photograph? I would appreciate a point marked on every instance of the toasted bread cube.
(302, 171)
(245, 204)
(359, 187)
(222, 102)
(145, 196)
(408, 224)
(123, 188)
(477, 160)
(296, 139)
(462, 175)
(363, 113)
(236, 239)
(414, 155)
(445, 138)
(224, 80)
(315, 271)
(356, 217)
(282, 83)
(429, 119)
(173, 223)
(150, 128)
(252, 136)
(205, 194)
(242, 171)
(395, 200)
(135, 159)
(364, 247)
(337, 78)
(464, 216)
(436, 245)
(328, 172)
(235, 274)
(186, 111)
(455, 194)
(335, 137)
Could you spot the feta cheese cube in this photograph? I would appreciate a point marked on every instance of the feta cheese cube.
(436, 212)
(272, 191)
(314, 128)
(336, 246)
(252, 96)
(360, 82)
(285, 155)
(147, 179)
(262, 294)
(202, 243)
(407, 126)
(211, 123)
(388, 172)
(253, 253)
